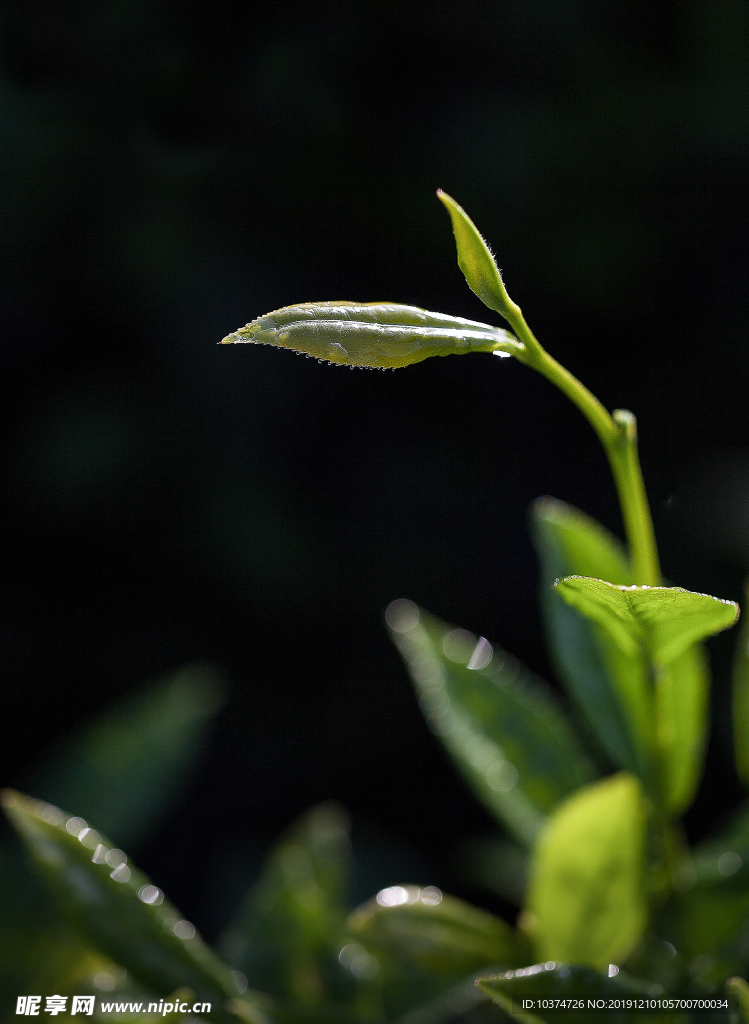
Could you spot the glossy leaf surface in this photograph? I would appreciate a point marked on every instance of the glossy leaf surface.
(682, 691)
(661, 621)
(586, 892)
(287, 937)
(378, 335)
(116, 906)
(500, 724)
(475, 259)
(637, 728)
(569, 543)
(122, 770)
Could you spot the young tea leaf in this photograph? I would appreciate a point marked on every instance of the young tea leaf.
(287, 937)
(498, 722)
(586, 896)
(476, 261)
(116, 907)
(682, 690)
(661, 621)
(378, 335)
(569, 543)
(613, 691)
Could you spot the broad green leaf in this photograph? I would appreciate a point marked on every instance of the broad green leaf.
(559, 981)
(611, 689)
(741, 699)
(476, 261)
(288, 935)
(661, 621)
(379, 335)
(682, 690)
(116, 907)
(586, 896)
(498, 722)
(570, 543)
(123, 769)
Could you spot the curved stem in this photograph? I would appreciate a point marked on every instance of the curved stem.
(618, 435)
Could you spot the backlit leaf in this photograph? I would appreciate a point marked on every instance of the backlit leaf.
(476, 261)
(661, 621)
(638, 728)
(586, 897)
(378, 335)
(116, 907)
(569, 543)
(499, 723)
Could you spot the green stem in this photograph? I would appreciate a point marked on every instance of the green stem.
(618, 435)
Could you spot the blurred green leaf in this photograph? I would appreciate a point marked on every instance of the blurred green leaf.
(434, 931)
(499, 723)
(475, 259)
(586, 896)
(738, 988)
(124, 768)
(741, 698)
(559, 980)
(115, 905)
(379, 335)
(711, 905)
(289, 933)
(661, 621)
(570, 543)
(424, 943)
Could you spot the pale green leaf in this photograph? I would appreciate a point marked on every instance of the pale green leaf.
(499, 723)
(586, 896)
(637, 729)
(661, 621)
(116, 907)
(682, 690)
(379, 335)
(476, 261)
(569, 543)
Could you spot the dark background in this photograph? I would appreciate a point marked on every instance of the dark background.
(169, 172)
